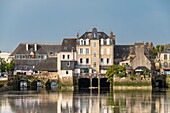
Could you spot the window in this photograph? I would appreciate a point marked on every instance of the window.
(94, 64)
(81, 42)
(87, 50)
(39, 56)
(108, 51)
(45, 56)
(101, 41)
(87, 41)
(66, 72)
(108, 41)
(68, 56)
(101, 60)
(81, 50)
(51, 53)
(17, 56)
(101, 51)
(65, 48)
(68, 64)
(94, 44)
(165, 64)
(87, 60)
(165, 56)
(63, 56)
(24, 56)
(107, 60)
(94, 54)
(81, 60)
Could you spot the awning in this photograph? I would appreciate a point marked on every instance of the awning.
(141, 68)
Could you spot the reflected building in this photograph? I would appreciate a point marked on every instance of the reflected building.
(89, 102)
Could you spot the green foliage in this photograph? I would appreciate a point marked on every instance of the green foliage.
(132, 77)
(157, 49)
(5, 66)
(115, 70)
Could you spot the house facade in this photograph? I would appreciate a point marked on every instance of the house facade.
(66, 59)
(95, 52)
(164, 61)
(137, 56)
(33, 57)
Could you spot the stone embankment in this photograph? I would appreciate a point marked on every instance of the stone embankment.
(132, 82)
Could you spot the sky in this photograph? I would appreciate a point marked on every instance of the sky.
(50, 21)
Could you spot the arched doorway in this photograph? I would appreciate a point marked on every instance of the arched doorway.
(84, 82)
(95, 82)
(104, 83)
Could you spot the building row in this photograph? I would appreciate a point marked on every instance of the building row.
(91, 53)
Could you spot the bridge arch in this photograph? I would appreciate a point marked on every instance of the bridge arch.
(104, 83)
(84, 82)
(95, 82)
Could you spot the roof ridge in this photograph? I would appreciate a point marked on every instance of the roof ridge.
(42, 43)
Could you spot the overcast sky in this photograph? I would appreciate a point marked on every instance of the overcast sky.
(52, 20)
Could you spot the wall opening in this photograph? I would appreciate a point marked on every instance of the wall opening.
(159, 83)
(104, 83)
(84, 83)
(94, 82)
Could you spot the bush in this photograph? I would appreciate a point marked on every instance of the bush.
(132, 78)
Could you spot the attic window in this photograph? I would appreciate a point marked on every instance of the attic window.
(68, 64)
(51, 53)
(65, 48)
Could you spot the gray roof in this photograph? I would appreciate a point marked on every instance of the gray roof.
(69, 44)
(122, 52)
(94, 35)
(50, 64)
(46, 48)
(141, 68)
(166, 50)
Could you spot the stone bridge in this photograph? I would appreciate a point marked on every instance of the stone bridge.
(45, 78)
(91, 81)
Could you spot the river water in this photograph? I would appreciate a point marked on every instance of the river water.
(85, 101)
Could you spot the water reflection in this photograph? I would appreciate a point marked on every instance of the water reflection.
(85, 101)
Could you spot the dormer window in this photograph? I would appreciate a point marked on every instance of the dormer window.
(101, 41)
(32, 55)
(108, 41)
(81, 42)
(87, 41)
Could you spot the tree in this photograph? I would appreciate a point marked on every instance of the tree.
(117, 70)
(156, 50)
(5, 66)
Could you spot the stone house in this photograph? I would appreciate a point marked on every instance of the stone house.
(137, 56)
(67, 58)
(164, 60)
(95, 52)
(34, 57)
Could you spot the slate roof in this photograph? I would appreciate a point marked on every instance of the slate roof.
(166, 50)
(141, 68)
(42, 48)
(69, 44)
(94, 34)
(122, 52)
(50, 64)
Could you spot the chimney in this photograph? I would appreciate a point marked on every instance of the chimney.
(35, 47)
(27, 47)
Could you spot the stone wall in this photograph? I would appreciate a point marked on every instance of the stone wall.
(140, 59)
